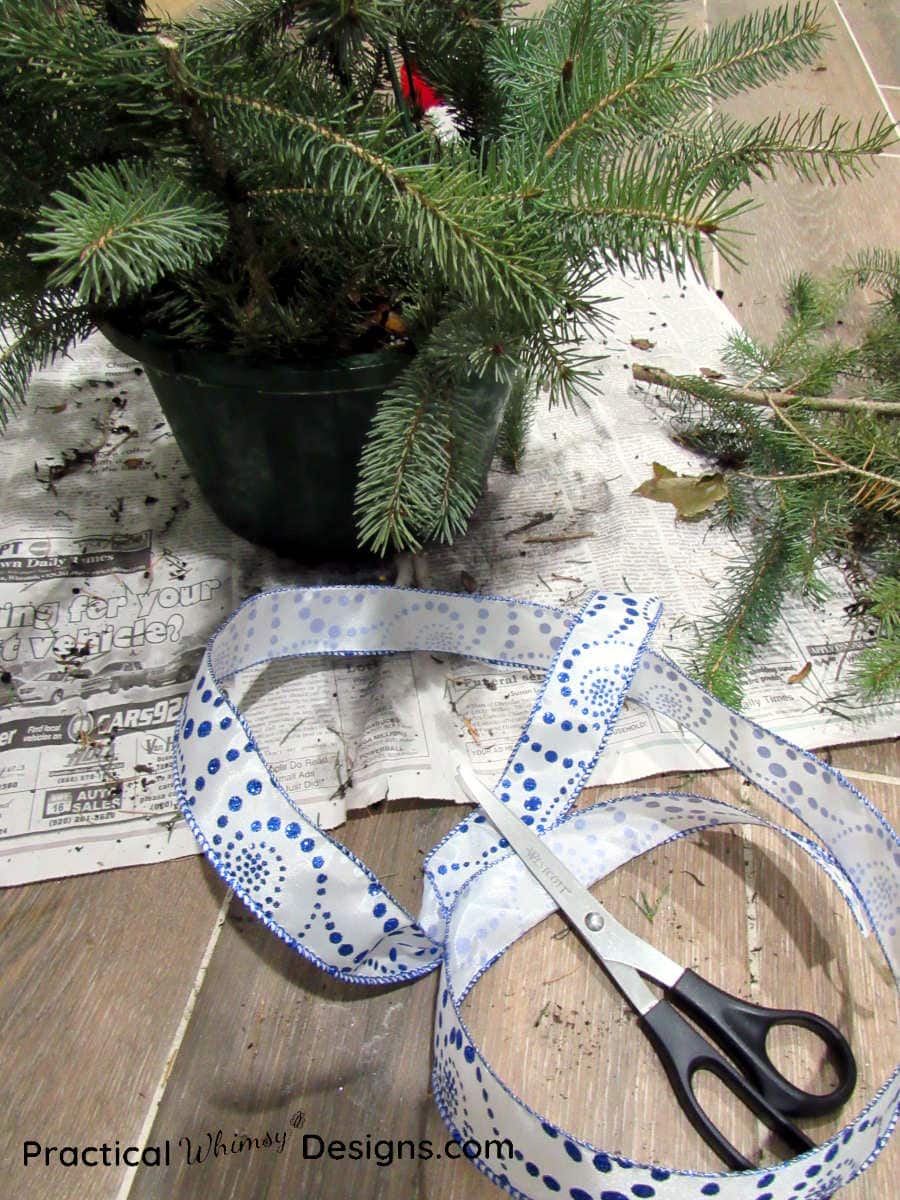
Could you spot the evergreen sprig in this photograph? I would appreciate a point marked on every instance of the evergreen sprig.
(813, 476)
(816, 146)
(518, 416)
(127, 229)
(251, 179)
(759, 48)
(877, 670)
(26, 344)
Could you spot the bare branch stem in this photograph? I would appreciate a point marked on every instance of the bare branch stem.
(200, 129)
(699, 387)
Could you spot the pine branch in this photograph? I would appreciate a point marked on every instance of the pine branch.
(572, 65)
(728, 153)
(813, 478)
(645, 210)
(130, 227)
(422, 469)
(875, 491)
(746, 616)
(705, 389)
(403, 463)
(652, 71)
(877, 670)
(63, 55)
(518, 417)
(339, 30)
(875, 268)
(445, 208)
(469, 414)
(242, 26)
(556, 367)
(759, 48)
(51, 329)
(201, 130)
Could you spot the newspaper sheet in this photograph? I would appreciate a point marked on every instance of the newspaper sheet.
(114, 573)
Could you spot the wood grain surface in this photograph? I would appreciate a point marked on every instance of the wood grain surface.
(95, 973)
(803, 226)
(137, 1008)
(95, 983)
(876, 26)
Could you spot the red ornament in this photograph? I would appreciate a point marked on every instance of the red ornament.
(419, 92)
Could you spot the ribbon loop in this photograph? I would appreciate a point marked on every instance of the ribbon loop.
(583, 692)
(316, 895)
(504, 901)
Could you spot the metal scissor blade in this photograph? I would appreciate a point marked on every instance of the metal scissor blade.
(621, 952)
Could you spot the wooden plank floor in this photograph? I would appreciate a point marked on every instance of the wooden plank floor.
(143, 1005)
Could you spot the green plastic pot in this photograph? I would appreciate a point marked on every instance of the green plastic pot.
(275, 447)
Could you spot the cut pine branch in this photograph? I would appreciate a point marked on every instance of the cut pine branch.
(747, 616)
(122, 226)
(655, 71)
(697, 386)
(201, 130)
(453, 232)
(875, 491)
(758, 48)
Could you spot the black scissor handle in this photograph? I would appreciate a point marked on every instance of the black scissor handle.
(741, 1028)
(683, 1052)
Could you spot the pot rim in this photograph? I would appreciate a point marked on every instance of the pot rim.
(214, 368)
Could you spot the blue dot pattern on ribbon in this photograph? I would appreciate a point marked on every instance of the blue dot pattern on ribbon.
(314, 894)
(392, 945)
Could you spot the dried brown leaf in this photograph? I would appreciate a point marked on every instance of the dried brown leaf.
(691, 495)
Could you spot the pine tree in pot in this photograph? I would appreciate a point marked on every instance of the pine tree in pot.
(255, 197)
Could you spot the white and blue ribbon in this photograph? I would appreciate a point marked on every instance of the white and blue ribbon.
(478, 899)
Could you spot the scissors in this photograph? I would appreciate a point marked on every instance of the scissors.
(738, 1028)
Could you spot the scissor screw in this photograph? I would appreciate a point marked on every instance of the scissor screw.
(594, 921)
